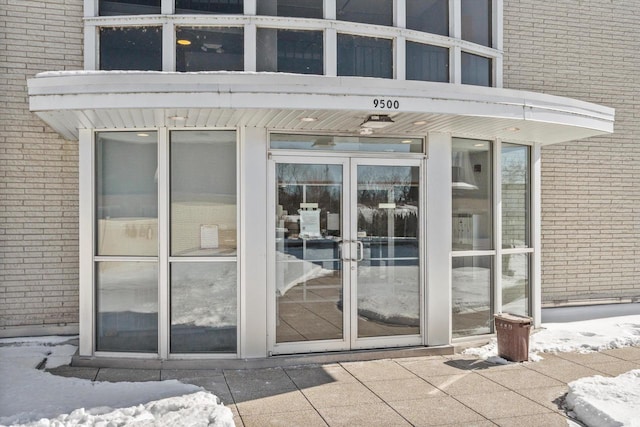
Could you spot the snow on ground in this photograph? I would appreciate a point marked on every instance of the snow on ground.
(596, 401)
(606, 402)
(32, 397)
(583, 337)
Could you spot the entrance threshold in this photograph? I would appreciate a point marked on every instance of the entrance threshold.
(261, 363)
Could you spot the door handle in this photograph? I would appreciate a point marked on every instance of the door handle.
(361, 247)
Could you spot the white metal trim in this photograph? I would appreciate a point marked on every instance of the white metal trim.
(497, 226)
(86, 242)
(536, 235)
(164, 292)
(250, 47)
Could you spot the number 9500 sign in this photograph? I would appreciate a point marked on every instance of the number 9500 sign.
(386, 104)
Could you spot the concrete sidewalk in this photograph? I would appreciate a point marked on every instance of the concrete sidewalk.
(420, 391)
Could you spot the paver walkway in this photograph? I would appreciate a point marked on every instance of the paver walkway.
(421, 391)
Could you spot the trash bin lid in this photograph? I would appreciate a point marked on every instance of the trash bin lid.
(513, 318)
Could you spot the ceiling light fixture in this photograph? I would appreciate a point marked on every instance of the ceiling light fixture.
(512, 129)
(420, 122)
(178, 118)
(377, 121)
(407, 141)
(142, 134)
(478, 145)
(308, 119)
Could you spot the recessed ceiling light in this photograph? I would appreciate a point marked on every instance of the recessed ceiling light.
(178, 118)
(407, 141)
(478, 145)
(513, 129)
(183, 42)
(420, 122)
(308, 119)
(142, 134)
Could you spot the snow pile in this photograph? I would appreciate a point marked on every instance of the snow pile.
(28, 394)
(197, 409)
(603, 402)
(582, 337)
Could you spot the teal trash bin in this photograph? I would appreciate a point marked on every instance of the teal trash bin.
(513, 336)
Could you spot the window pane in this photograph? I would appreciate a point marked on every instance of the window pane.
(364, 56)
(203, 193)
(129, 7)
(127, 306)
(294, 8)
(427, 63)
(203, 307)
(379, 12)
(126, 194)
(471, 292)
(515, 284)
(220, 49)
(516, 196)
(472, 196)
(476, 70)
(476, 21)
(131, 48)
(209, 6)
(429, 16)
(290, 51)
(346, 143)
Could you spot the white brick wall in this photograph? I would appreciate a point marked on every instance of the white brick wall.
(588, 50)
(38, 170)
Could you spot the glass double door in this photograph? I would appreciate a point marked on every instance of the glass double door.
(347, 254)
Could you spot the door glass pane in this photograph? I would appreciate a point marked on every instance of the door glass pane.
(379, 12)
(127, 306)
(471, 181)
(471, 295)
(209, 6)
(427, 63)
(203, 307)
(516, 196)
(309, 231)
(220, 49)
(364, 56)
(293, 8)
(388, 250)
(288, 51)
(515, 284)
(126, 194)
(203, 193)
(429, 16)
(131, 48)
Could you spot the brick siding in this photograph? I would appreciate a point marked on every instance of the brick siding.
(591, 188)
(38, 169)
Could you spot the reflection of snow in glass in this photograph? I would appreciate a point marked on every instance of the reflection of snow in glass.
(204, 294)
(128, 286)
(292, 271)
(471, 289)
(390, 292)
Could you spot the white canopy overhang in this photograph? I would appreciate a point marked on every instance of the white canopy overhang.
(72, 100)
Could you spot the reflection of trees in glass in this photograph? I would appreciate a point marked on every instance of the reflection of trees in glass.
(395, 185)
(321, 184)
